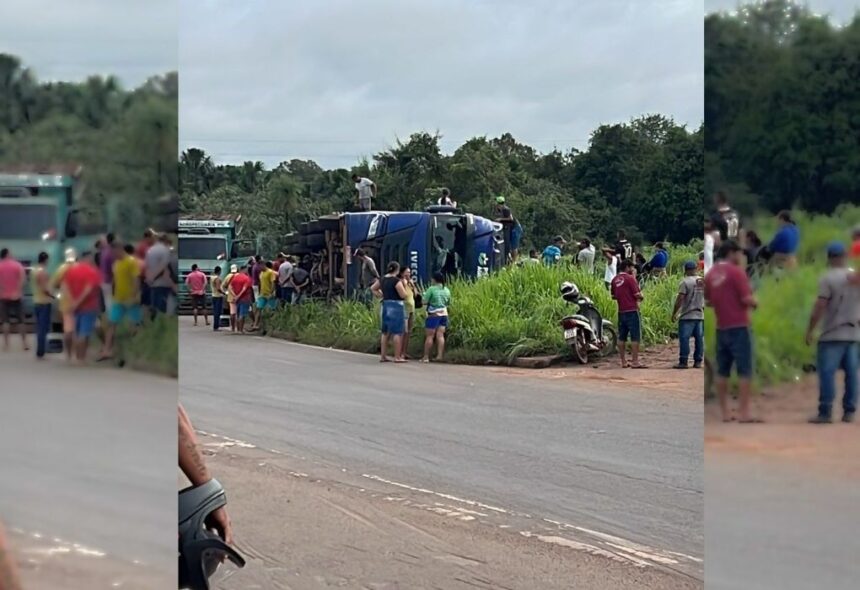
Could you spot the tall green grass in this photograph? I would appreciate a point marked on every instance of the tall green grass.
(154, 347)
(786, 299)
(510, 314)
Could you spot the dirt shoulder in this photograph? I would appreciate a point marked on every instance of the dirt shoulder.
(306, 526)
(786, 436)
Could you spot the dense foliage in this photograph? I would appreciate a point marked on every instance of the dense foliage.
(782, 108)
(644, 176)
(126, 139)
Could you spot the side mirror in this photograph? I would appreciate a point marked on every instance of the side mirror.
(72, 225)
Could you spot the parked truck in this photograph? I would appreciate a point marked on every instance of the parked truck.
(209, 243)
(439, 239)
(41, 210)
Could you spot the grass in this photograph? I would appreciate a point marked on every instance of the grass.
(510, 314)
(786, 300)
(153, 348)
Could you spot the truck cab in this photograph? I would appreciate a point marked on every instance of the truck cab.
(208, 243)
(40, 211)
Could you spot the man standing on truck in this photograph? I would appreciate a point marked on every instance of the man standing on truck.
(503, 214)
(196, 283)
(365, 192)
(12, 277)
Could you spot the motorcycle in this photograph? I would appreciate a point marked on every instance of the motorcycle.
(586, 332)
(201, 550)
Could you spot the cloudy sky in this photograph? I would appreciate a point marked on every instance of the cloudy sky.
(73, 39)
(334, 80)
(840, 10)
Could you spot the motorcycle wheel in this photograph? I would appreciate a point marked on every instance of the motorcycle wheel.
(610, 341)
(580, 348)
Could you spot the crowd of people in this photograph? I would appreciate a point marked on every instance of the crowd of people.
(92, 292)
(734, 258)
(248, 292)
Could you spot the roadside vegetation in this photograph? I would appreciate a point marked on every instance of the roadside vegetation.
(778, 90)
(786, 299)
(511, 314)
(153, 348)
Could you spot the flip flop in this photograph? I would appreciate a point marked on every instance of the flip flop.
(638, 366)
(751, 421)
(400, 361)
(384, 361)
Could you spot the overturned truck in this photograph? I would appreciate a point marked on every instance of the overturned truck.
(439, 239)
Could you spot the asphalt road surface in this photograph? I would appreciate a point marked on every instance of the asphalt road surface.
(618, 468)
(88, 473)
(775, 524)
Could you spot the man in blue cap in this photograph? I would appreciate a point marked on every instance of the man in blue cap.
(689, 312)
(837, 310)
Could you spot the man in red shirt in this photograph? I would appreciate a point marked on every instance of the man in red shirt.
(242, 288)
(83, 282)
(625, 290)
(727, 290)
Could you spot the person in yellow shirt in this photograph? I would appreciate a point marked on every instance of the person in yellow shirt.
(42, 299)
(126, 294)
(231, 299)
(217, 297)
(65, 302)
(267, 298)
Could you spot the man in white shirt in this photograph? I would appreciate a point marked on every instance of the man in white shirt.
(585, 258)
(611, 266)
(366, 190)
(285, 272)
(711, 242)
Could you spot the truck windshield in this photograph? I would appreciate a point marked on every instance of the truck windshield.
(214, 248)
(448, 244)
(27, 222)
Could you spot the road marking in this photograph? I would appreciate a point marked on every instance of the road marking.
(592, 549)
(439, 494)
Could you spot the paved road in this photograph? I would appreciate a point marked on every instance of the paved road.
(621, 462)
(89, 456)
(775, 525)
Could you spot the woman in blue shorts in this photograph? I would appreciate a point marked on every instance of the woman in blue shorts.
(391, 290)
(437, 298)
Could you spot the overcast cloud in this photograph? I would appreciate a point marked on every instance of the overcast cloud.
(334, 80)
(839, 10)
(73, 39)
